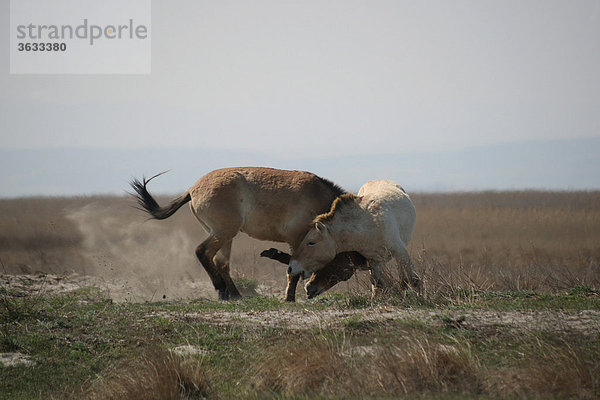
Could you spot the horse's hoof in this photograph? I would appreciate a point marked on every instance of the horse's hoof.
(417, 285)
(312, 291)
(223, 295)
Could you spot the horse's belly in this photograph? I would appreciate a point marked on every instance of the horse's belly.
(269, 235)
(277, 224)
(263, 232)
(376, 252)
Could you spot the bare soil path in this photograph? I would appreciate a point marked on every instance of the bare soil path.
(586, 322)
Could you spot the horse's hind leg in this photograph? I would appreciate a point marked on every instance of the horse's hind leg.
(221, 261)
(205, 252)
(400, 254)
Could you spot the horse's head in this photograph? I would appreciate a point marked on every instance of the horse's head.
(316, 249)
(340, 269)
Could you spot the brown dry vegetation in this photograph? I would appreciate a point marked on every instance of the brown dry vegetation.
(158, 375)
(509, 240)
(411, 365)
(543, 241)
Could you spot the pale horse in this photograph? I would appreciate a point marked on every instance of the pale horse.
(377, 223)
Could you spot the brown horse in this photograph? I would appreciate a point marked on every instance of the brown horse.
(265, 203)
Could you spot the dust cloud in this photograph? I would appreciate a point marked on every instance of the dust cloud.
(139, 259)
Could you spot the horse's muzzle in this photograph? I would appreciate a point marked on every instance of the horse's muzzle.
(296, 268)
(313, 291)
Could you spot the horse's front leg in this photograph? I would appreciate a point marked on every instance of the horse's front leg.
(290, 290)
(276, 255)
(292, 280)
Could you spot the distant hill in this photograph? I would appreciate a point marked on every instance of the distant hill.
(554, 165)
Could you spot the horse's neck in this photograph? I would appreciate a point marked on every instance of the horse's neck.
(332, 193)
(351, 228)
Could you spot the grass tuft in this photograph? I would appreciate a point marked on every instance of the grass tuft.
(556, 370)
(425, 365)
(159, 375)
(309, 368)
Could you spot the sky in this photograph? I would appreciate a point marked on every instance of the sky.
(327, 78)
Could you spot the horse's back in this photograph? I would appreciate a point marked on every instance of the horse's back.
(248, 183)
(265, 203)
(382, 189)
(390, 206)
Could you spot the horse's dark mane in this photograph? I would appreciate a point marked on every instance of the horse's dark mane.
(338, 203)
(337, 189)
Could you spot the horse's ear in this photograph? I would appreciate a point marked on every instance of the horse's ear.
(320, 227)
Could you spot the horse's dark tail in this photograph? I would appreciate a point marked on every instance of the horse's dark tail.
(147, 203)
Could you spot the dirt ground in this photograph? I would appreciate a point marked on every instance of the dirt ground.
(586, 322)
(120, 289)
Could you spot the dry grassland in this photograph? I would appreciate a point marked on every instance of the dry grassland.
(511, 308)
(543, 241)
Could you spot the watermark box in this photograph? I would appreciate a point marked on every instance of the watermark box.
(80, 37)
